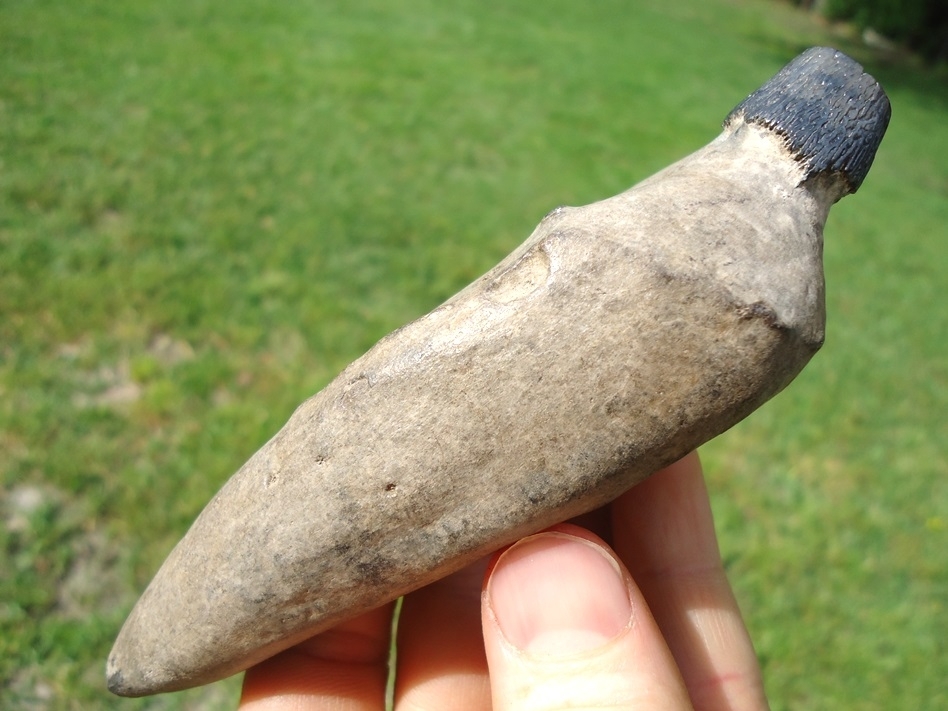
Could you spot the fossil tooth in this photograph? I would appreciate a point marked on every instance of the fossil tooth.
(618, 337)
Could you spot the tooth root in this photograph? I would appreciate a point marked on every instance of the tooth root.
(618, 337)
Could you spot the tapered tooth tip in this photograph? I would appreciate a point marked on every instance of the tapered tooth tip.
(831, 113)
(116, 679)
(136, 667)
(115, 682)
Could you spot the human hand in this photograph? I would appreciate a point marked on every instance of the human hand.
(560, 621)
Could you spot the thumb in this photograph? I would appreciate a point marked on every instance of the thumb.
(566, 627)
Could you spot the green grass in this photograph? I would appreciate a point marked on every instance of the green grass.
(207, 209)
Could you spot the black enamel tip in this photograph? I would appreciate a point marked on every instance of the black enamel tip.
(830, 112)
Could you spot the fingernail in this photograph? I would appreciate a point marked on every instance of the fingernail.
(555, 595)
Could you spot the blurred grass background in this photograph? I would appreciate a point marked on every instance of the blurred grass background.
(208, 208)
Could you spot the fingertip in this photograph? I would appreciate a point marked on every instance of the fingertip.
(564, 624)
(539, 590)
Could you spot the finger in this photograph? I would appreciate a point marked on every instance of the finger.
(441, 662)
(565, 627)
(664, 531)
(342, 669)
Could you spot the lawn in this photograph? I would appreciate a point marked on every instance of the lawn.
(208, 209)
